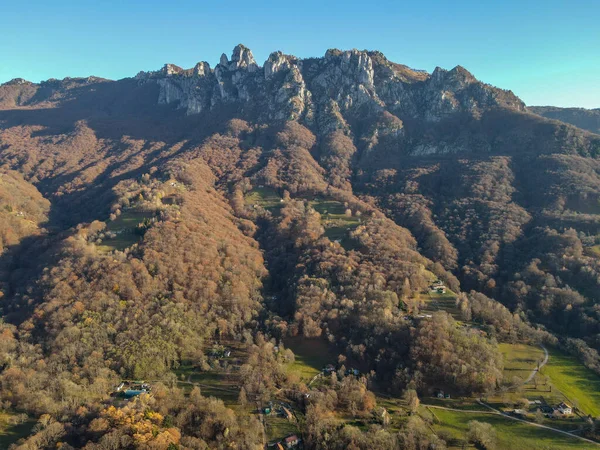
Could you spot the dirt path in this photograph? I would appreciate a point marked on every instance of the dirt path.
(474, 411)
(315, 378)
(542, 364)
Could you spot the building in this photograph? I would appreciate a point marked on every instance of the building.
(291, 441)
(438, 287)
(519, 413)
(353, 371)
(564, 409)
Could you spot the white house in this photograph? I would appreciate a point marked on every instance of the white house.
(564, 409)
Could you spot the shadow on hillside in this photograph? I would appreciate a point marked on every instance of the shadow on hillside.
(22, 266)
(113, 109)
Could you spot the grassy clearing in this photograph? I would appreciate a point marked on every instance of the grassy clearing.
(335, 221)
(511, 434)
(11, 433)
(580, 385)
(126, 228)
(311, 356)
(520, 359)
(434, 301)
(221, 381)
(278, 428)
(592, 251)
(266, 197)
(563, 378)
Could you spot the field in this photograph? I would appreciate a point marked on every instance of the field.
(333, 213)
(125, 226)
(563, 378)
(579, 384)
(520, 359)
(311, 356)
(335, 221)
(511, 434)
(10, 433)
(433, 301)
(222, 381)
(266, 197)
(278, 428)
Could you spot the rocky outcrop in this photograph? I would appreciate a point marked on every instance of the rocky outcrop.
(16, 82)
(242, 58)
(276, 62)
(328, 91)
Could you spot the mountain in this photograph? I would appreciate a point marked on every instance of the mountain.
(586, 119)
(150, 222)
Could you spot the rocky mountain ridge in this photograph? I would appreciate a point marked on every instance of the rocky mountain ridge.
(377, 103)
(292, 88)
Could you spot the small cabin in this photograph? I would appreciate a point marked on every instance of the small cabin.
(291, 441)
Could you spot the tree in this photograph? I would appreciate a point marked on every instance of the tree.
(412, 399)
(539, 416)
(482, 434)
(242, 397)
(406, 290)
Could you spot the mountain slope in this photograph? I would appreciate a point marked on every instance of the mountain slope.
(586, 119)
(316, 198)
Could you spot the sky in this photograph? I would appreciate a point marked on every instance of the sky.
(546, 51)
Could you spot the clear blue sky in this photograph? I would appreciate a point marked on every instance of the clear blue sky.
(546, 51)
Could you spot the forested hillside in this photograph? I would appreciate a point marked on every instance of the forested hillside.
(587, 119)
(149, 224)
